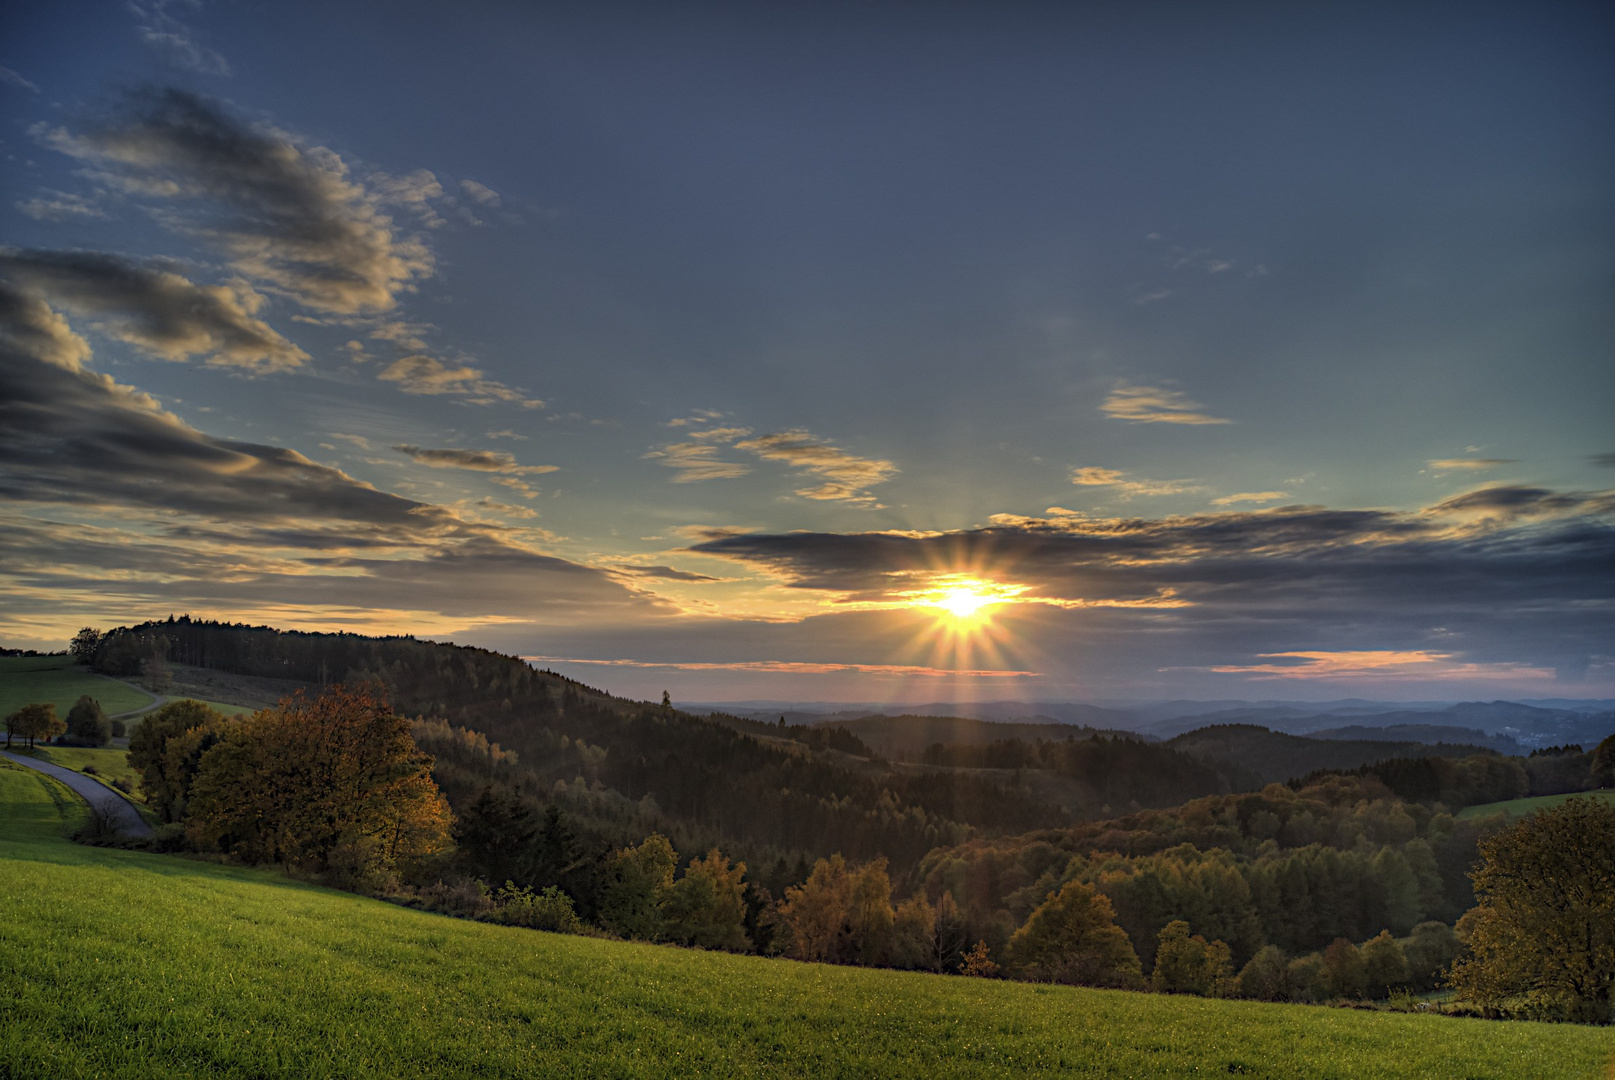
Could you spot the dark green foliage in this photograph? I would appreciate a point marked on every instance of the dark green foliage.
(34, 722)
(1277, 757)
(1119, 771)
(85, 645)
(1455, 783)
(494, 834)
(1543, 933)
(1072, 937)
(1430, 952)
(1266, 977)
(126, 652)
(1601, 769)
(1559, 769)
(1295, 869)
(1188, 964)
(827, 737)
(87, 724)
(167, 750)
(1344, 973)
(1385, 966)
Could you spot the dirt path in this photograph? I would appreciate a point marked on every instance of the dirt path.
(125, 818)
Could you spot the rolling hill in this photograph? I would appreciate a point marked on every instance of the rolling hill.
(126, 964)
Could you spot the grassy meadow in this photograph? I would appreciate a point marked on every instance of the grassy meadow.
(1520, 808)
(110, 763)
(125, 964)
(25, 680)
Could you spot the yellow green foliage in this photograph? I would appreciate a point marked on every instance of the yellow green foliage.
(1543, 933)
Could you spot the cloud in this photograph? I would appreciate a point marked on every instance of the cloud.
(286, 215)
(427, 375)
(697, 461)
(1153, 405)
(1153, 296)
(227, 525)
(505, 508)
(11, 78)
(1420, 664)
(664, 573)
(176, 40)
(1606, 460)
(1531, 587)
(414, 191)
(796, 667)
(497, 461)
(185, 52)
(1507, 504)
(1094, 476)
(1250, 497)
(521, 487)
(481, 194)
(155, 309)
(60, 206)
(1468, 464)
(846, 476)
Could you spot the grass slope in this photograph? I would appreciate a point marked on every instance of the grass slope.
(25, 680)
(110, 763)
(1519, 808)
(125, 964)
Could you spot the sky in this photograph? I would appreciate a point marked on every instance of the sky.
(834, 352)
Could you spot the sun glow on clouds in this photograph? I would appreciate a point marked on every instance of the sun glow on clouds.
(964, 599)
(1379, 663)
(795, 667)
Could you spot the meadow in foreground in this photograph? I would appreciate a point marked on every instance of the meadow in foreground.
(117, 963)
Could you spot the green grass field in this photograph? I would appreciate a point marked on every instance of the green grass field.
(25, 680)
(110, 763)
(1519, 808)
(125, 964)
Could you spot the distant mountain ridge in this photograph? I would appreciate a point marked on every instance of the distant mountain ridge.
(1506, 726)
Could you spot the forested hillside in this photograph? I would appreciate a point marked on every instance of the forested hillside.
(777, 796)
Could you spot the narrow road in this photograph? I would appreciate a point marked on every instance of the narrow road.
(125, 818)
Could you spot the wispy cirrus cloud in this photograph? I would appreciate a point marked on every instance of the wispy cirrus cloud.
(1250, 497)
(175, 39)
(155, 309)
(1119, 482)
(495, 461)
(846, 476)
(1442, 465)
(58, 206)
(11, 78)
(697, 461)
(1155, 405)
(428, 376)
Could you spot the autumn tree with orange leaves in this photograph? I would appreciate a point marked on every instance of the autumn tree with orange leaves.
(332, 785)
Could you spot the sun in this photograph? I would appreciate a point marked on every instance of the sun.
(963, 601)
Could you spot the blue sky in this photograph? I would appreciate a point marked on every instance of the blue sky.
(1233, 350)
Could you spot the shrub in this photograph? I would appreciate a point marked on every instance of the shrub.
(548, 910)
